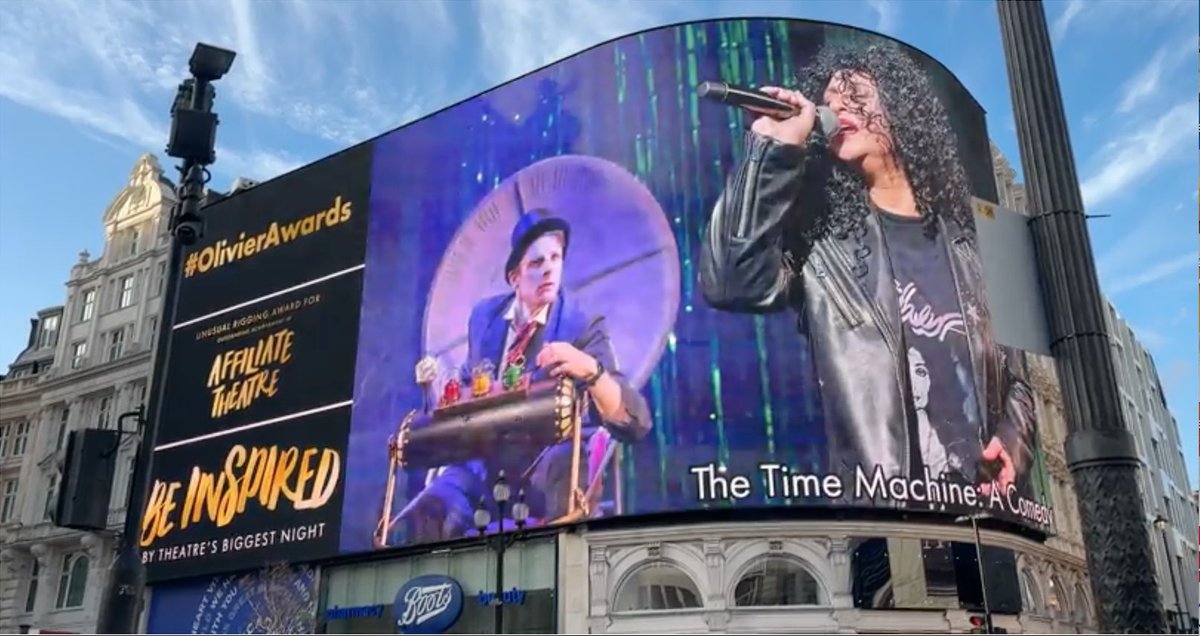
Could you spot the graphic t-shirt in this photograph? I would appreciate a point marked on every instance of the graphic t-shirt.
(938, 354)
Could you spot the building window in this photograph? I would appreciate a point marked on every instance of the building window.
(1056, 604)
(32, 590)
(776, 581)
(151, 330)
(51, 506)
(104, 411)
(79, 354)
(1030, 596)
(1083, 613)
(72, 583)
(64, 421)
(116, 344)
(659, 586)
(8, 506)
(134, 238)
(87, 307)
(4, 437)
(125, 290)
(160, 279)
(49, 332)
(20, 438)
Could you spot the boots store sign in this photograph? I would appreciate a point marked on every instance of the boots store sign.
(428, 605)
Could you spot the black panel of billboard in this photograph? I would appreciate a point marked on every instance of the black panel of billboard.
(250, 458)
(289, 354)
(260, 495)
(302, 226)
(629, 299)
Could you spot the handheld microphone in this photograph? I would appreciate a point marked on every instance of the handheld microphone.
(731, 95)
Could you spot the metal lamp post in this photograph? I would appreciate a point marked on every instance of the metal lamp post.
(1100, 451)
(987, 609)
(483, 520)
(193, 140)
(1161, 524)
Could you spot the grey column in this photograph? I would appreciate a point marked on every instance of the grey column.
(1099, 448)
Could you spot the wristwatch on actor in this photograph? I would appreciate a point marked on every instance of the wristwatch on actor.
(587, 382)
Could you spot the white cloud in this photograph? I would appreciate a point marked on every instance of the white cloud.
(1149, 337)
(887, 15)
(258, 85)
(1145, 84)
(112, 68)
(1179, 370)
(1155, 273)
(553, 30)
(117, 116)
(1064, 19)
(1116, 13)
(1126, 159)
(1144, 239)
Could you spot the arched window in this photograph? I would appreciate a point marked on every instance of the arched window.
(659, 586)
(1030, 597)
(777, 581)
(1083, 613)
(1057, 601)
(72, 581)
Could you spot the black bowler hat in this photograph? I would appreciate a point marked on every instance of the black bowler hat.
(531, 226)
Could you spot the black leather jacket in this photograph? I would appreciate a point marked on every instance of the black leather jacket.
(853, 324)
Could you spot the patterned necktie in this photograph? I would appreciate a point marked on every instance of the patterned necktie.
(516, 353)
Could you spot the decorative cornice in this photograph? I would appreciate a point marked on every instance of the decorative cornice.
(99, 271)
(691, 533)
(140, 357)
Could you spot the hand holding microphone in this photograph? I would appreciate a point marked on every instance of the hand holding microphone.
(793, 128)
(787, 115)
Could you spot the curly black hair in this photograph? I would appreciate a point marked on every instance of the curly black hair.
(924, 144)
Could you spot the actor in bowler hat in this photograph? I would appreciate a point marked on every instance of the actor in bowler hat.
(540, 326)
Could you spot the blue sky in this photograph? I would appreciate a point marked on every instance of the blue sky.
(85, 88)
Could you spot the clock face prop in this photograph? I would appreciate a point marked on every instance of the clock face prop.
(622, 261)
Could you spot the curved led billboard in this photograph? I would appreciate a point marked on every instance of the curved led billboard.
(622, 293)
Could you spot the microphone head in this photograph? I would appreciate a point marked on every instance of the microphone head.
(827, 121)
(715, 90)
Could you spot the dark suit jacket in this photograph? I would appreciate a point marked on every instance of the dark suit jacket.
(461, 485)
(567, 322)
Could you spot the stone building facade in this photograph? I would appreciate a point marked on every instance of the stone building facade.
(88, 362)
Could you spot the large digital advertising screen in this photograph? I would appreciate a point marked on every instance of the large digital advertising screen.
(625, 296)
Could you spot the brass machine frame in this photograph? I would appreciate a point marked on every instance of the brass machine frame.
(570, 406)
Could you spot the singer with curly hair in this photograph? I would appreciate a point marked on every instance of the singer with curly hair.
(866, 232)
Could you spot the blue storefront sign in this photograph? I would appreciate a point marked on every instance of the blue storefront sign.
(428, 604)
(509, 597)
(361, 611)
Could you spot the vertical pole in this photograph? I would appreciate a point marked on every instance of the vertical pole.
(500, 546)
(1100, 451)
(987, 608)
(121, 603)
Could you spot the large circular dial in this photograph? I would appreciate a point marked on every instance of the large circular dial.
(622, 262)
